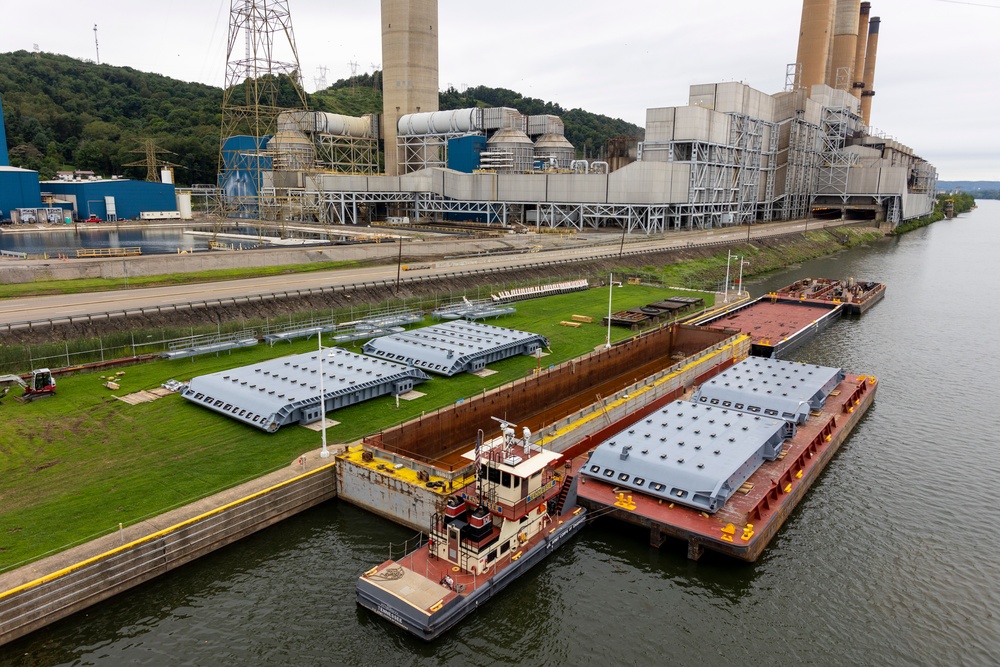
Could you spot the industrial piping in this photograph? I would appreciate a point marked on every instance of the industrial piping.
(858, 84)
(872, 53)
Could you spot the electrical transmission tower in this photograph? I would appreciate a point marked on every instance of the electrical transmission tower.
(320, 78)
(263, 78)
(152, 163)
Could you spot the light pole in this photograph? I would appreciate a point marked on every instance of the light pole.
(725, 289)
(399, 262)
(325, 454)
(743, 261)
(611, 286)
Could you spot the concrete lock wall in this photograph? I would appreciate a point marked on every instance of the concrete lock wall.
(391, 498)
(77, 586)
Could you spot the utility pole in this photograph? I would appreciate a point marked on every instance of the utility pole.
(729, 258)
(96, 47)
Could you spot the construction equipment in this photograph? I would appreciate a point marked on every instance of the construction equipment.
(41, 384)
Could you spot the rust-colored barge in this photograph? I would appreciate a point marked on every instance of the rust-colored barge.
(757, 508)
(857, 296)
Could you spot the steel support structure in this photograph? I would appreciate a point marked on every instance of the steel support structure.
(838, 125)
(422, 151)
(346, 155)
(801, 177)
(260, 31)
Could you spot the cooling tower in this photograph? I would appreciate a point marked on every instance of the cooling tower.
(815, 34)
(870, 56)
(859, 55)
(409, 66)
(845, 44)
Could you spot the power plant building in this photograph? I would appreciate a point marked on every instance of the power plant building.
(732, 156)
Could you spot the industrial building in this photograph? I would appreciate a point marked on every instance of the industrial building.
(454, 347)
(18, 187)
(284, 391)
(111, 199)
(21, 195)
(732, 156)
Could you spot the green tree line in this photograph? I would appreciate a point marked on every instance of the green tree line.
(63, 114)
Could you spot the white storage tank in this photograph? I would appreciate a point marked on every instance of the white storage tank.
(457, 121)
(184, 205)
(508, 151)
(554, 146)
(292, 151)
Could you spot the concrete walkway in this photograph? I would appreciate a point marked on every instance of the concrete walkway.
(151, 525)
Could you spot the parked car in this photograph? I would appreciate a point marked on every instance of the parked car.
(94, 218)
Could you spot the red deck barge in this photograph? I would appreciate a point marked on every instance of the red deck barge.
(753, 515)
(857, 296)
(777, 325)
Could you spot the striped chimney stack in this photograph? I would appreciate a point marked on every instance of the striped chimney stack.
(840, 72)
(871, 53)
(858, 84)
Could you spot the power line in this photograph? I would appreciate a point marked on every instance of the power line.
(973, 4)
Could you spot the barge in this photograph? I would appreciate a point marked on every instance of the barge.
(670, 473)
(857, 297)
(518, 510)
(777, 325)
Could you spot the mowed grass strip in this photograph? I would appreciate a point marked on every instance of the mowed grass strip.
(75, 465)
(81, 285)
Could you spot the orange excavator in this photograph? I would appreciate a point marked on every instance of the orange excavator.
(41, 384)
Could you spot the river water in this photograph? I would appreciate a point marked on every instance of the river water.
(890, 560)
(152, 240)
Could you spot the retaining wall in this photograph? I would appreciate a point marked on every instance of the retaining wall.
(77, 586)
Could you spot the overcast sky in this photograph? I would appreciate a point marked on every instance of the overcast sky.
(936, 80)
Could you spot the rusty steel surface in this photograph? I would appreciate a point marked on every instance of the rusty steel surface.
(543, 399)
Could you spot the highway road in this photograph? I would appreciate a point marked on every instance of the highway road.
(42, 308)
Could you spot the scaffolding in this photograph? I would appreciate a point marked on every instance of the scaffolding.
(801, 176)
(839, 124)
(423, 151)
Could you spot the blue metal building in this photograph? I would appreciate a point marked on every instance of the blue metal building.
(18, 189)
(464, 152)
(126, 199)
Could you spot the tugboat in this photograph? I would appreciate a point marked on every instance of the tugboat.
(520, 508)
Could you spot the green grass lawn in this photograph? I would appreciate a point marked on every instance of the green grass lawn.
(75, 465)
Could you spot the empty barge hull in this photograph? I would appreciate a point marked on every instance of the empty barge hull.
(777, 325)
(750, 518)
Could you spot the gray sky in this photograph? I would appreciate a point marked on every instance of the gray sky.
(936, 80)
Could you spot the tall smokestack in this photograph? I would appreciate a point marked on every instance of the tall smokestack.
(409, 66)
(845, 44)
(815, 32)
(858, 84)
(870, 56)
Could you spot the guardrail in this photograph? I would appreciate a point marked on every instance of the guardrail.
(13, 253)
(317, 291)
(109, 252)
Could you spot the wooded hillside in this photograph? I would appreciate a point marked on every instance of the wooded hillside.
(63, 114)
